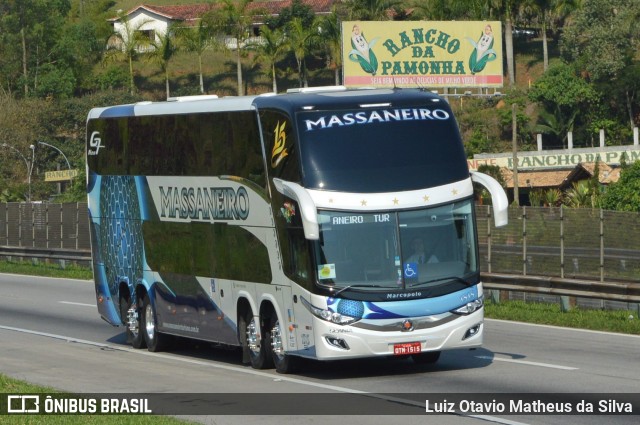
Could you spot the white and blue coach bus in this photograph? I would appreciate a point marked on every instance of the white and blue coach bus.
(285, 224)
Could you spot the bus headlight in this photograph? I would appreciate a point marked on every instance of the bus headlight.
(326, 315)
(470, 307)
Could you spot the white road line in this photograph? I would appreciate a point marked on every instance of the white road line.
(524, 362)
(81, 304)
(248, 371)
(562, 328)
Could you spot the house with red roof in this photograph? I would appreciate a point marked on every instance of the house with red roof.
(154, 21)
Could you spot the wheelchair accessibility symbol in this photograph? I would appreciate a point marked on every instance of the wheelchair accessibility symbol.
(410, 270)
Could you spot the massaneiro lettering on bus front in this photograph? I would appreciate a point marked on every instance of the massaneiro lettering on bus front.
(376, 116)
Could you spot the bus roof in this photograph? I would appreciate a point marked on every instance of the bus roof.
(308, 99)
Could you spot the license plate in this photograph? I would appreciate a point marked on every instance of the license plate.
(407, 348)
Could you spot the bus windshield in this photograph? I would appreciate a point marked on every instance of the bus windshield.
(398, 249)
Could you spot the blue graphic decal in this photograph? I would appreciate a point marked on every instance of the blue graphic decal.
(405, 308)
(120, 232)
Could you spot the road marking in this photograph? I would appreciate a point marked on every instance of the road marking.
(562, 328)
(524, 362)
(254, 372)
(81, 304)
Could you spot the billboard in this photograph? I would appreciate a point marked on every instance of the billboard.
(428, 54)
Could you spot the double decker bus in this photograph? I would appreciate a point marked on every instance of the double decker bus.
(286, 224)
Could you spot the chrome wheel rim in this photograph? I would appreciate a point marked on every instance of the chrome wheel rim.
(149, 321)
(253, 341)
(276, 341)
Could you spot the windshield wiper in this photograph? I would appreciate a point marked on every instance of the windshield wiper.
(356, 286)
(456, 278)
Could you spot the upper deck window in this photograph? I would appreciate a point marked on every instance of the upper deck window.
(381, 148)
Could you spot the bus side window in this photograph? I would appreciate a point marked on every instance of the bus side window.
(299, 251)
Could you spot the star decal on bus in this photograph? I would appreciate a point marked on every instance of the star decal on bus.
(363, 203)
(395, 201)
(425, 198)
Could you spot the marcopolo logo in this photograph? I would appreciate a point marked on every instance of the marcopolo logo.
(95, 143)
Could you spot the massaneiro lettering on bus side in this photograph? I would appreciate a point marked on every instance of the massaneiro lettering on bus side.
(376, 116)
(204, 203)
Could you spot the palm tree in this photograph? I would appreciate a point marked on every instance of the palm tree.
(301, 39)
(235, 19)
(506, 10)
(163, 50)
(548, 12)
(197, 39)
(270, 50)
(331, 37)
(130, 40)
(579, 195)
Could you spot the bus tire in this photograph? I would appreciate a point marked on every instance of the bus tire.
(429, 357)
(256, 341)
(135, 338)
(155, 341)
(284, 363)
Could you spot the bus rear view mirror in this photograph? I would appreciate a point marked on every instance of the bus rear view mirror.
(498, 197)
(308, 211)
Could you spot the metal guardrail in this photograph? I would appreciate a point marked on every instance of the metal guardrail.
(46, 253)
(612, 291)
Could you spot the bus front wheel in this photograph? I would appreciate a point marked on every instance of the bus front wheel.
(155, 340)
(256, 342)
(284, 363)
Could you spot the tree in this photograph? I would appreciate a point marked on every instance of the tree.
(128, 44)
(235, 19)
(546, 13)
(331, 38)
(79, 48)
(298, 9)
(563, 94)
(29, 30)
(370, 10)
(197, 39)
(163, 50)
(506, 10)
(624, 195)
(301, 39)
(603, 37)
(269, 51)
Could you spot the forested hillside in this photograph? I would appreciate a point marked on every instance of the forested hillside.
(575, 67)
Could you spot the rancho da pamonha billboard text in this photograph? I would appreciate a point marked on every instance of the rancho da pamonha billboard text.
(422, 54)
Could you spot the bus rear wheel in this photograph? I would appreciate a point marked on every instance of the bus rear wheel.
(155, 340)
(130, 316)
(284, 363)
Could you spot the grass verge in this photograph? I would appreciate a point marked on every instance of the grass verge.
(622, 321)
(40, 268)
(13, 386)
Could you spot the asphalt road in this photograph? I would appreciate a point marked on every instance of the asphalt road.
(51, 334)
